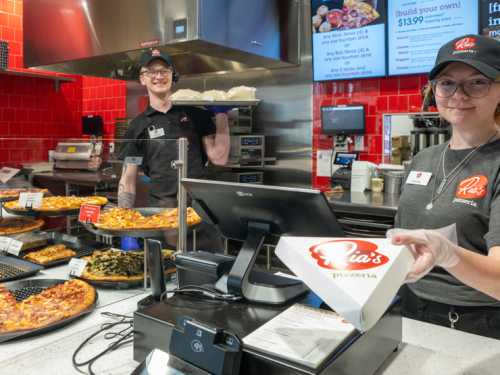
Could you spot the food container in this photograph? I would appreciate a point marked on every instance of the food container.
(393, 181)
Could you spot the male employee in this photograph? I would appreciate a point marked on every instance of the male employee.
(153, 134)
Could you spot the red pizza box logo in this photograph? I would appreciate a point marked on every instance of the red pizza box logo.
(465, 44)
(347, 255)
(474, 187)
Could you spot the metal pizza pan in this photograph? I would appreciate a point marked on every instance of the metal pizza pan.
(12, 268)
(23, 289)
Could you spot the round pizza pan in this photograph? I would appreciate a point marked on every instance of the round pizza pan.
(140, 233)
(43, 284)
(47, 213)
(7, 199)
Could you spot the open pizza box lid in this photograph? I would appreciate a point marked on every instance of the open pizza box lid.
(357, 277)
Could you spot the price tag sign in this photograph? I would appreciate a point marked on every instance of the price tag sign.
(133, 160)
(77, 266)
(89, 213)
(30, 200)
(10, 245)
(7, 173)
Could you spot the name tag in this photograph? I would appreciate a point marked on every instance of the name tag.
(156, 132)
(419, 178)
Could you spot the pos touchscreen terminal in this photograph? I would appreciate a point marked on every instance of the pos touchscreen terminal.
(250, 213)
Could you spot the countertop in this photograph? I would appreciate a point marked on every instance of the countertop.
(367, 203)
(426, 349)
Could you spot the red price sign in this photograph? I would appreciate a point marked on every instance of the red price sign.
(89, 213)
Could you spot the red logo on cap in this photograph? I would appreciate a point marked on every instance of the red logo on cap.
(347, 255)
(474, 187)
(465, 44)
(155, 52)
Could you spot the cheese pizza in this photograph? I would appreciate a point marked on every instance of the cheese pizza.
(13, 225)
(60, 203)
(50, 254)
(53, 304)
(129, 219)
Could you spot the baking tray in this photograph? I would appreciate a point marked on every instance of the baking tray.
(228, 103)
(81, 247)
(25, 288)
(12, 268)
(37, 213)
(140, 233)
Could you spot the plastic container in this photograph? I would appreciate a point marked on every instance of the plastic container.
(393, 181)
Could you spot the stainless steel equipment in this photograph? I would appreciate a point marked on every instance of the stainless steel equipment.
(245, 177)
(105, 38)
(77, 155)
(247, 149)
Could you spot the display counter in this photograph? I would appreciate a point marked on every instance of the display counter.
(426, 348)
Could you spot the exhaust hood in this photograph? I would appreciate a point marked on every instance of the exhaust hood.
(106, 37)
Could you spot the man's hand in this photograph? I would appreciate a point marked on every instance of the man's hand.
(429, 247)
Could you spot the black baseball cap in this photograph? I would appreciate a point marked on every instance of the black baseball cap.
(155, 54)
(480, 52)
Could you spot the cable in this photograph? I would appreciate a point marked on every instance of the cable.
(206, 292)
(125, 337)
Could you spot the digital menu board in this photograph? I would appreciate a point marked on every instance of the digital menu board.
(417, 28)
(348, 39)
(490, 18)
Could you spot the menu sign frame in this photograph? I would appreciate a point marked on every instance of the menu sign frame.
(417, 29)
(348, 42)
(489, 13)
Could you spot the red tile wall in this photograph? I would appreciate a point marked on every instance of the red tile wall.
(379, 96)
(33, 115)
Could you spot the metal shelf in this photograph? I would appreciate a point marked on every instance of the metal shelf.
(26, 73)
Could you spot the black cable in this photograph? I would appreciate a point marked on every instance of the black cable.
(206, 292)
(125, 337)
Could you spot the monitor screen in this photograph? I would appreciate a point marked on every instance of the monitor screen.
(343, 120)
(345, 158)
(92, 125)
(348, 39)
(490, 18)
(292, 211)
(416, 29)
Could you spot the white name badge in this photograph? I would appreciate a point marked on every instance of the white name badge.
(419, 178)
(156, 132)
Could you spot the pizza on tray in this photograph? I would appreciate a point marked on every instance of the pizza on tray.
(53, 304)
(50, 254)
(14, 193)
(60, 203)
(116, 265)
(129, 219)
(13, 225)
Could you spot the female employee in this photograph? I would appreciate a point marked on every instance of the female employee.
(457, 183)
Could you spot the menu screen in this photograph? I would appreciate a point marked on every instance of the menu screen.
(417, 28)
(348, 39)
(490, 18)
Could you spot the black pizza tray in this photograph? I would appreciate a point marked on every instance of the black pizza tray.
(7, 199)
(25, 288)
(122, 284)
(139, 233)
(37, 213)
(80, 246)
(20, 268)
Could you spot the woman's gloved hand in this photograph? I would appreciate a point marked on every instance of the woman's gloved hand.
(429, 247)
(215, 109)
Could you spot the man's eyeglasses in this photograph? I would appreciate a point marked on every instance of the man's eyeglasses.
(157, 73)
(474, 88)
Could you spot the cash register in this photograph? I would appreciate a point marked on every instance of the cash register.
(204, 324)
(341, 167)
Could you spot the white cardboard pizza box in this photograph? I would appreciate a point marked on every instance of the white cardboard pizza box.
(357, 277)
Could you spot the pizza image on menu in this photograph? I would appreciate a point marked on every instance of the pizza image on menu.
(343, 15)
(357, 277)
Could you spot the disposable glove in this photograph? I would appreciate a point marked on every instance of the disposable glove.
(429, 247)
(215, 109)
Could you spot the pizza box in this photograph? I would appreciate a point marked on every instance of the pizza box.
(357, 277)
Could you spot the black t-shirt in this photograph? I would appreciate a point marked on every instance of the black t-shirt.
(471, 201)
(152, 135)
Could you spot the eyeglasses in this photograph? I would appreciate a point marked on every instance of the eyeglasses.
(157, 73)
(474, 88)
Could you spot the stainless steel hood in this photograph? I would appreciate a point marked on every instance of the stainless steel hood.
(106, 37)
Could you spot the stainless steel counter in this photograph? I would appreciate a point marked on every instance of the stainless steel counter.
(368, 203)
